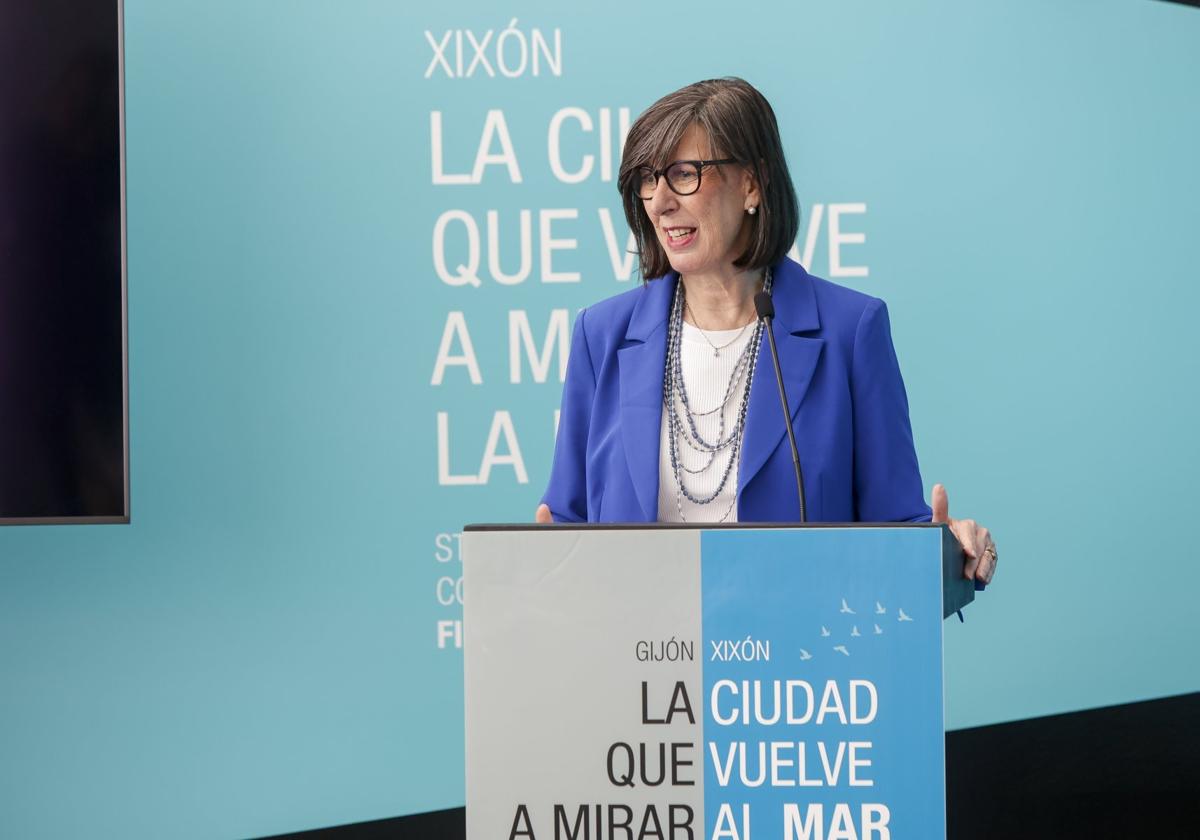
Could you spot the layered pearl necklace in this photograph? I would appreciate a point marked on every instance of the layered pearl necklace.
(683, 434)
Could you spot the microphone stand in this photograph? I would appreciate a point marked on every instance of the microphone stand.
(766, 311)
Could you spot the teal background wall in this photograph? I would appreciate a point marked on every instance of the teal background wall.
(258, 651)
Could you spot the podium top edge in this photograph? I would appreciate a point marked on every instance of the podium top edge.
(690, 526)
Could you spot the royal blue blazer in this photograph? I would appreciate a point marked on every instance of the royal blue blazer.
(847, 401)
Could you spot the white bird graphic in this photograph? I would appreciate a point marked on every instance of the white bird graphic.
(804, 655)
(841, 649)
(854, 631)
(846, 608)
(904, 616)
(879, 610)
(824, 630)
(878, 630)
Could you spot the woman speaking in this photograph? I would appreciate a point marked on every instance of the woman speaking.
(670, 409)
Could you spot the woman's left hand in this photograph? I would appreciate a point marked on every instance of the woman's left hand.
(976, 541)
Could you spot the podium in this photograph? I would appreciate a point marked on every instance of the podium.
(737, 682)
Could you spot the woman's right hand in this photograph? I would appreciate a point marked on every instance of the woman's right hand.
(542, 515)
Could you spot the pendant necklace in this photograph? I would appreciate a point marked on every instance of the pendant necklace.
(704, 334)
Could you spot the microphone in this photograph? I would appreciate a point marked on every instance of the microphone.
(766, 312)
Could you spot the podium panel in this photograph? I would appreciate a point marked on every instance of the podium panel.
(737, 683)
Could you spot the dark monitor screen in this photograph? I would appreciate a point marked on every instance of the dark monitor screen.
(63, 378)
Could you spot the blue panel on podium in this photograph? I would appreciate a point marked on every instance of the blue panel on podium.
(823, 681)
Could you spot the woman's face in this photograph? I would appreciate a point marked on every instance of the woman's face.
(703, 233)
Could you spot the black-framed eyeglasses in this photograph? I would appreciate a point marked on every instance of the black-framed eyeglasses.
(683, 176)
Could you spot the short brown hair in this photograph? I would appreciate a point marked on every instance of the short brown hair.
(739, 124)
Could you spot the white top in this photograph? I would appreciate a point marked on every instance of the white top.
(706, 377)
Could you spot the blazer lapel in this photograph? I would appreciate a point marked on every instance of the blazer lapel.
(642, 362)
(796, 313)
